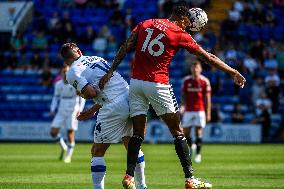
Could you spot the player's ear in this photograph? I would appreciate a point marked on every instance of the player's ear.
(184, 22)
(79, 52)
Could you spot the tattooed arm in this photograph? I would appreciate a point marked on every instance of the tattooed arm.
(129, 44)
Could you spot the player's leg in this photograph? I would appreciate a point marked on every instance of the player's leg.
(71, 145)
(173, 122)
(187, 126)
(98, 165)
(138, 110)
(139, 173)
(134, 145)
(200, 122)
(187, 134)
(165, 105)
(55, 134)
(72, 126)
(198, 142)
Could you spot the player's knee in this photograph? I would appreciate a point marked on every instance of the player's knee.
(175, 131)
(53, 133)
(70, 131)
(98, 150)
(139, 131)
(175, 128)
(173, 122)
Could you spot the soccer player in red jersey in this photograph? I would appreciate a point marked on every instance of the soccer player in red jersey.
(156, 41)
(196, 95)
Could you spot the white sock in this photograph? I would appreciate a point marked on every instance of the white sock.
(61, 141)
(139, 171)
(70, 150)
(98, 171)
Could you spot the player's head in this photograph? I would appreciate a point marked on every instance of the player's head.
(181, 14)
(70, 52)
(196, 68)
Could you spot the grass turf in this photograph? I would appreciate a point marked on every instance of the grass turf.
(35, 166)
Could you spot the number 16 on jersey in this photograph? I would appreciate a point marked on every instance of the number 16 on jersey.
(148, 45)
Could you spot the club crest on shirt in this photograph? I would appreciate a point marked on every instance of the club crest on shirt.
(75, 84)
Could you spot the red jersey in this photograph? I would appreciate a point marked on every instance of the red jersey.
(194, 93)
(157, 43)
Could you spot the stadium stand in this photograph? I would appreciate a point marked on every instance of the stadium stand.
(99, 27)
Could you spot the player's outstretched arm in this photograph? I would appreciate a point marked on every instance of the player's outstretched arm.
(129, 44)
(213, 60)
(88, 113)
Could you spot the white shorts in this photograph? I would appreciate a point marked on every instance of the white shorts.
(160, 96)
(196, 119)
(113, 122)
(65, 119)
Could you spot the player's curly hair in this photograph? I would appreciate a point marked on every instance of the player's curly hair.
(180, 9)
(66, 50)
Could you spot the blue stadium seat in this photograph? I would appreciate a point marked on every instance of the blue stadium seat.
(278, 33)
(255, 32)
(266, 32)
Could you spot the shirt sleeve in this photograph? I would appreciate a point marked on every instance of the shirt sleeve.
(207, 87)
(188, 43)
(55, 99)
(137, 27)
(77, 81)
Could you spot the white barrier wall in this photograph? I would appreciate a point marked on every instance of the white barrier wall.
(217, 133)
(156, 132)
(39, 131)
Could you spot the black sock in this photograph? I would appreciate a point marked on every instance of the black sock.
(189, 143)
(183, 154)
(198, 145)
(132, 153)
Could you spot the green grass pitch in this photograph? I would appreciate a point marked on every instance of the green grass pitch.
(35, 166)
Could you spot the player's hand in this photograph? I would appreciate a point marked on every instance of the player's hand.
(104, 80)
(239, 79)
(78, 113)
(84, 115)
(51, 114)
(88, 113)
(182, 109)
(208, 117)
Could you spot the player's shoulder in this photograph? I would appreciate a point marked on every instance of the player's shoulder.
(149, 21)
(71, 73)
(204, 78)
(145, 23)
(58, 83)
